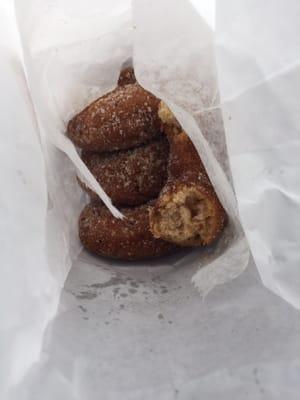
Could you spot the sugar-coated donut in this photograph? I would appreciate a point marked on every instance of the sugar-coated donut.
(130, 177)
(124, 118)
(127, 239)
(188, 211)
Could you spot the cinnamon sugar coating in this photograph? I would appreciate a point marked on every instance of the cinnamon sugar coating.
(130, 177)
(128, 239)
(124, 118)
(126, 77)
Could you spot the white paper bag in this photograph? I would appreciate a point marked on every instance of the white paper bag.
(78, 62)
(258, 59)
(167, 343)
(29, 293)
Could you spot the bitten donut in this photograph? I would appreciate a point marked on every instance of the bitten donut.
(187, 211)
(130, 177)
(128, 239)
(124, 118)
(126, 77)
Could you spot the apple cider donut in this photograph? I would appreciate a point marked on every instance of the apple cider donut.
(130, 177)
(128, 239)
(188, 211)
(122, 119)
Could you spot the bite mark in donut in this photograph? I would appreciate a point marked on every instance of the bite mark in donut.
(188, 211)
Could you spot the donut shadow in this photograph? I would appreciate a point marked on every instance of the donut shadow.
(181, 258)
(163, 261)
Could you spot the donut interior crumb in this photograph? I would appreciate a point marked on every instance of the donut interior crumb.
(188, 218)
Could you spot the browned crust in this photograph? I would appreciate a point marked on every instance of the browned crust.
(188, 211)
(127, 77)
(128, 239)
(130, 177)
(124, 118)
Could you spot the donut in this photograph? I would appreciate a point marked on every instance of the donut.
(126, 77)
(168, 119)
(122, 119)
(130, 177)
(188, 211)
(129, 239)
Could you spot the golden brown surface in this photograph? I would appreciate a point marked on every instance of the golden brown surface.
(126, 77)
(187, 211)
(127, 239)
(124, 118)
(130, 177)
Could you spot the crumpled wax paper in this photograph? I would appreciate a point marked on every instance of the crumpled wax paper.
(29, 289)
(167, 343)
(258, 64)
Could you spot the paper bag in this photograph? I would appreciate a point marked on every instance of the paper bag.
(163, 345)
